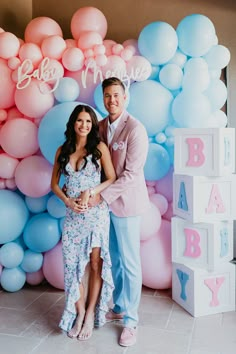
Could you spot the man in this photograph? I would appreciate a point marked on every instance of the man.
(128, 199)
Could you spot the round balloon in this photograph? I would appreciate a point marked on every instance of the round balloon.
(13, 217)
(32, 261)
(88, 18)
(53, 268)
(11, 255)
(13, 279)
(157, 164)
(41, 233)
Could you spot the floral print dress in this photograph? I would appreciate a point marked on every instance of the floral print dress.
(82, 232)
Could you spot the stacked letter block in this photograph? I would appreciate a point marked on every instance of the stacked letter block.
(204, 204)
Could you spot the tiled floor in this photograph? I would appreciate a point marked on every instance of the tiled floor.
(29, 318)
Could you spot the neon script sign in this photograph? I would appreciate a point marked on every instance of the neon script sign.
(47, 74)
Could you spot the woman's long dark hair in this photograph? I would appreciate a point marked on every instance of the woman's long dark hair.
(69, 146)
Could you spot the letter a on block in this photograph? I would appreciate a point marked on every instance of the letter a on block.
(192, 243)
(214, 285)
(215, 202)
(183, 278)
(195, 149)
(182, 203)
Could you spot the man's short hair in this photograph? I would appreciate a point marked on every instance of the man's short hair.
(112, 81)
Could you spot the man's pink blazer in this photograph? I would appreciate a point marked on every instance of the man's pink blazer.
(127, 196)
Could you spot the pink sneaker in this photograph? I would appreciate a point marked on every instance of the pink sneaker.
(128, 337)
(113, 316)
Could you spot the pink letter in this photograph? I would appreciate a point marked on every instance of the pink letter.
(195, 148)
(192, 243)
(214, 285)
(215, 200)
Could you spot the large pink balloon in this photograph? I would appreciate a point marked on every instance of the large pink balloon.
(33, 176)
(53, 268)
(7, 166)
(19, 137)
(53, 47)
(32, 101)
(150, 222)
(160, 201)
(88, 19)
(7, 87)
(40, 28)
(156, 258)
(164, 185)
(31, 51)
(9, 45)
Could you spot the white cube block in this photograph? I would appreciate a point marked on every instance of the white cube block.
(204, 293)
(205, 151)
(204, 199)
(201, 245)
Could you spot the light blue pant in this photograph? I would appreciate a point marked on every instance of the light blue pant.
(126, 266)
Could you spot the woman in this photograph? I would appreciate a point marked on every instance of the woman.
(86, 229)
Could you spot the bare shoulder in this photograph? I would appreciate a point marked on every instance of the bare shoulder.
(102, 146)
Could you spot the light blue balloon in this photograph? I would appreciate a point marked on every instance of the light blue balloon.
(67, 90)
(20, 241)
(13, 279)
(37, 205)
(150, 103)
(179, 59)
(32, 261)
(13, 216)
(217, 94)
(11, 255)
(56, 208)
(191, 109)
(196, 75)
(155, 73)
(52, 128)
(171, 76)
(217, 57)
(196, 35)
(158, 42)
(42, 233)
(157, 164)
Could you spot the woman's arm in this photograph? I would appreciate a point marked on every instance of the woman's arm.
(69, 202)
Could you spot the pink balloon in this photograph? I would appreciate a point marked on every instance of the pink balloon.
(13, 63)
(53, 268)
(88, 19)
(3, 115)
(35, 278)
(73, 59)
(32, 52)
(150, 222)
(156, 258)
(40, 28)
(164, 185)
(139, 68)
(9, 45)
(13, 113)
(117, 49)
(53, 47)
(151, 190)
(33, 176)
(2, 183)
(7, 166)
(126, 54)
(169, 213)
(19, 137)
(32, 101)
(7, 87)
(89, 39)
(108, 44)
(160, 201)
(11, 183)
(115, 65)
(132, 44)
